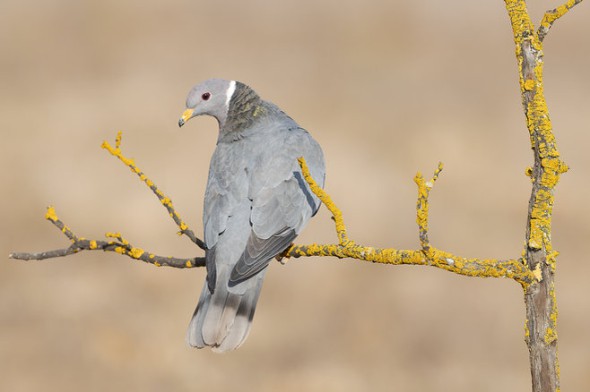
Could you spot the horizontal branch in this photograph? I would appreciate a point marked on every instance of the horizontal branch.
(483, 268)
(428, 255)
(345, 248)
(118, 244)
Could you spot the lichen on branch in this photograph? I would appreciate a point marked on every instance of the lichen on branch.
(539, 256)
(165, 200)
(345, 248)
(117, 244)
(120, 245)
(551, 16)
(428, 255)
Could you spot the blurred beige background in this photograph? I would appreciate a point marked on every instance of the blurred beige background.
(387, 88)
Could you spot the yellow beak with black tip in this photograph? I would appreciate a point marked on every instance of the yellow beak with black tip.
(186, 115)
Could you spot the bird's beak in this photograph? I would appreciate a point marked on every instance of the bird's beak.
(186, 115)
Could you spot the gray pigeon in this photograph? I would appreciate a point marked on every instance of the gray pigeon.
(256, 203)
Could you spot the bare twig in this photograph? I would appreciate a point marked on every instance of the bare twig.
(118, 244)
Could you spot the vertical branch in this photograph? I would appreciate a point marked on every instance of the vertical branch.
(424, 188)
(540, 301)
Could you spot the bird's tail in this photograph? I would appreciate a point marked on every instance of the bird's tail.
(222, 319)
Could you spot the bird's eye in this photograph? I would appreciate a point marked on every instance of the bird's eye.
(206, 96)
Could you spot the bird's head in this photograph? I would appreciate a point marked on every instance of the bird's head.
(211, 98)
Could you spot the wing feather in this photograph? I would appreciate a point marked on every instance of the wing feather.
(281, 203)
(258, 254)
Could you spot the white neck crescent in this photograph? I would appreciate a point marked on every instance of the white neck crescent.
(230, 92)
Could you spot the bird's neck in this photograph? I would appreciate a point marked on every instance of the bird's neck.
(245, 108)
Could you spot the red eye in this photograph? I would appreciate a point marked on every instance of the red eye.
(206, 96)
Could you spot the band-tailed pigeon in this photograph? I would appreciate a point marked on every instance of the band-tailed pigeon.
(256, 203)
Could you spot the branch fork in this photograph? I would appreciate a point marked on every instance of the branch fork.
(117, 242)
(427, 255)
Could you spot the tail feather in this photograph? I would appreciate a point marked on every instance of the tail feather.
(222, 320)
(242, 322)
(194, 337)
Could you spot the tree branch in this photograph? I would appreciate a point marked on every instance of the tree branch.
(540, 300)
(121, 245)
(118, 244)
(345, 248)
(165, 200)
(428, 255)
(551, 16)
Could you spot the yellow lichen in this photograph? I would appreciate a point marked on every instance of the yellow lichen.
(325, 198)
(50, 214)
(188, 264)
(136, 253)
(553, 315)
(93, 245)
(552, 16)
(529, 54)
(118, 139)
(550, 335)
(551, 260)
(538, 273)
(131, 164)
(529, 84)
(429, 255)
(471, 267)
